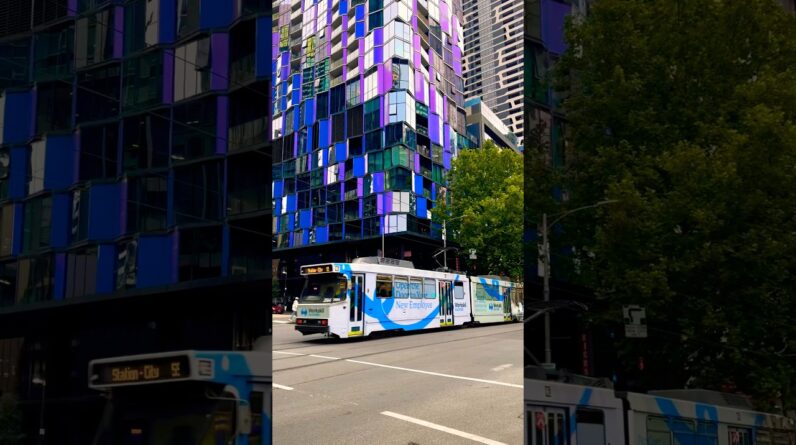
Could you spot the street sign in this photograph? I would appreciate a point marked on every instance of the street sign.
(635, 318)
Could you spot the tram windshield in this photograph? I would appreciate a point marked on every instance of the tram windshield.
(324, 288)
(185, 413)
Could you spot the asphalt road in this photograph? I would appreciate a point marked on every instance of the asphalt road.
(455, 386)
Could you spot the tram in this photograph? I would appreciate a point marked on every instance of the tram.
(373, 294)
(570, 414)
(184, 397)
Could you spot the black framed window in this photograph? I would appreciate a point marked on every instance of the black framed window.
(200, 253)
(194, 129)
(35, 279)
(98, 93)
(146, 142)
(53, 107)
(37, 223)
(94, 37)
(81, 272)
(197, 192)
(99, 151)
(147, 203)
(142, 83)
(53, 56)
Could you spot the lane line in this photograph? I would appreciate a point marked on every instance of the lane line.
(278, 386)
(444, 429)
(288, 353)
(325, 356)
(492, 382)
(502, 367)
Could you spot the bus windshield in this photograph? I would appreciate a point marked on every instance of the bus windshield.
(168, 414)
(324, 288)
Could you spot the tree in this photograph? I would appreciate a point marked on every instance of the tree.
(10, 421)
(684, 112)
(487, 199)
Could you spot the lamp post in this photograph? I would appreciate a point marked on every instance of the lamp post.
(284, 283)
(445, 240)
(548, 353)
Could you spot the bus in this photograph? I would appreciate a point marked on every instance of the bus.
(373, 294)
(184, 398)
(573, 414)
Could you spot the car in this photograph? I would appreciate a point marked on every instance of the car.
(277, 308)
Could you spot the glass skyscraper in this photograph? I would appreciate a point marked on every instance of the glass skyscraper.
(367, 115)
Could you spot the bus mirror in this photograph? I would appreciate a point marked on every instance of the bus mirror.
(244, 419)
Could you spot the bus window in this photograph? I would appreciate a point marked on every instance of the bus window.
(400, 287)
(429, 289)
(591, 427)
(384, 286)
(416, 288)
(658, 432)
(458, 291)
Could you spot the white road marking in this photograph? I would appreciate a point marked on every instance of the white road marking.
(492, 382)
(286, 388)
(325, 356)
(288, 353)
(502, 367)
(444, 429)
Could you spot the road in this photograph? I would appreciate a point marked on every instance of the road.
(455, 386)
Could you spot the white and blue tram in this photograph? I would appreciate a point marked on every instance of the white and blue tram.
(185, 397)
(568, 414)
(381, 294)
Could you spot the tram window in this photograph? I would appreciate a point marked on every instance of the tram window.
(429, 289)
(739, 436)
(658, 432)
(683, 430)
(707, 433)
(416, 288)
(591, 427)
(458, 291)
(256, 404)
(384, 286)
(400, 288)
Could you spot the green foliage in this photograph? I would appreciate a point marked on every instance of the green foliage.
(487, 199)
(684, 111)
(10, 421)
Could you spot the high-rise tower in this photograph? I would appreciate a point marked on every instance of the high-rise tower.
(367, 115)
(493, 62)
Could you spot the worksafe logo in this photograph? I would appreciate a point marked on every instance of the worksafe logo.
(303, 312)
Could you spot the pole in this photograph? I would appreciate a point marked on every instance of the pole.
(383, 231)
(444, 245)
(546, 252)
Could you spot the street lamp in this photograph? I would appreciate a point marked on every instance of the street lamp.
(445, 240)
(548, 353)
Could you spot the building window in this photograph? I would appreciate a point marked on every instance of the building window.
(372, 110)
(94, 38)
(247, 190)
(53, 107)
(249, 247)
(8, 285)
(194, 129)
(37, 224)
(14, 56)
(247, 119)
(187, 16)
(192, 69)
(147, 201)
(197, 192)
(337, 99)
(98, 94)
(98, 152)
(35, 279)
(53, 53)
(6, 230)
(141, 23)
(80, 215)
(81, 272)
(200, 253)
(352, 93)
(146, 142)
(126, 254)
(143, 80)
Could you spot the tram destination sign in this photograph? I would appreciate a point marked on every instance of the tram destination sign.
(324, 268)
(140, 371)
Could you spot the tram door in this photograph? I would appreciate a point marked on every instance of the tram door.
(356, 319)
(445, 303)
(546, 426)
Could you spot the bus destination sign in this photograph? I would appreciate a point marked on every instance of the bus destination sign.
(141, 371)
(325, 268)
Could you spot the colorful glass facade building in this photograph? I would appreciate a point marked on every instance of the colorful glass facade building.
(134, 207)
(368, 112)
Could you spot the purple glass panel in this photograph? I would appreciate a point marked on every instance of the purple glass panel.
(432, 98)
(417, 162)
(388, 202)
(378, 54)
(71, 8)
(275, 46)
(378, 182)
(446, 137)
(118, 35)
(379, 204)
(553, 16)
(383, 114)
(219, 79)
(433, 191)
(457, 60)
(420, 95)
(433, 128)
(416, 45)
(295, 144)
(168, 76)
(446, 160)
(454, 30)
(360, 189)
(378, 37)
(341, 177)
(443, 18)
